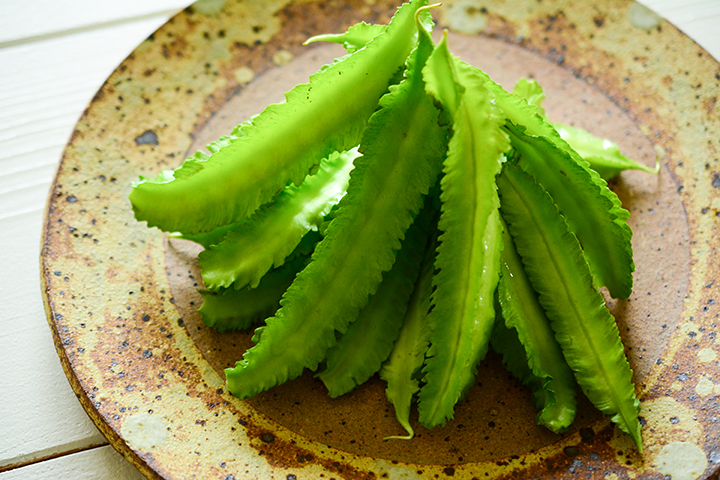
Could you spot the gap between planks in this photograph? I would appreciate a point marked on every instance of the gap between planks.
(47, 454)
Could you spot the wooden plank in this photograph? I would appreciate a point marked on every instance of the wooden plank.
(31, 20)
(101, 463)
(44, 88)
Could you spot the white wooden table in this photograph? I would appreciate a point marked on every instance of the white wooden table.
(54, 55)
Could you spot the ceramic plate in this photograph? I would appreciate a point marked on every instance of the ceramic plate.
(121, 298)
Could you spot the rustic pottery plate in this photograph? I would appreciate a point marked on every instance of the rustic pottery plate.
(121, 298)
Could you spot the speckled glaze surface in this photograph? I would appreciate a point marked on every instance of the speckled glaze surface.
(121, 300)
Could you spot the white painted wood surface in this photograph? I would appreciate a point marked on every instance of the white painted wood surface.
(101, 463)
(54, 55)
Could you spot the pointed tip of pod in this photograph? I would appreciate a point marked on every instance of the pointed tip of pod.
(424, 25)
(630, 426)
(637, 439)
(655, 170)
(425, 8)
(328, 37)
(636, 435)
(409, 436)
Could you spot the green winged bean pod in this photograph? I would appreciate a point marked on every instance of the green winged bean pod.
(368, 341)
(602, 155)
(593, 211)
(402, 149)
(558, 271)
(230, 310)
(402, 369)
(468, 257)
(555, 392)
(265, 239)
(281, 144)
(218, 234)
(504, 341)
(581, 199)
